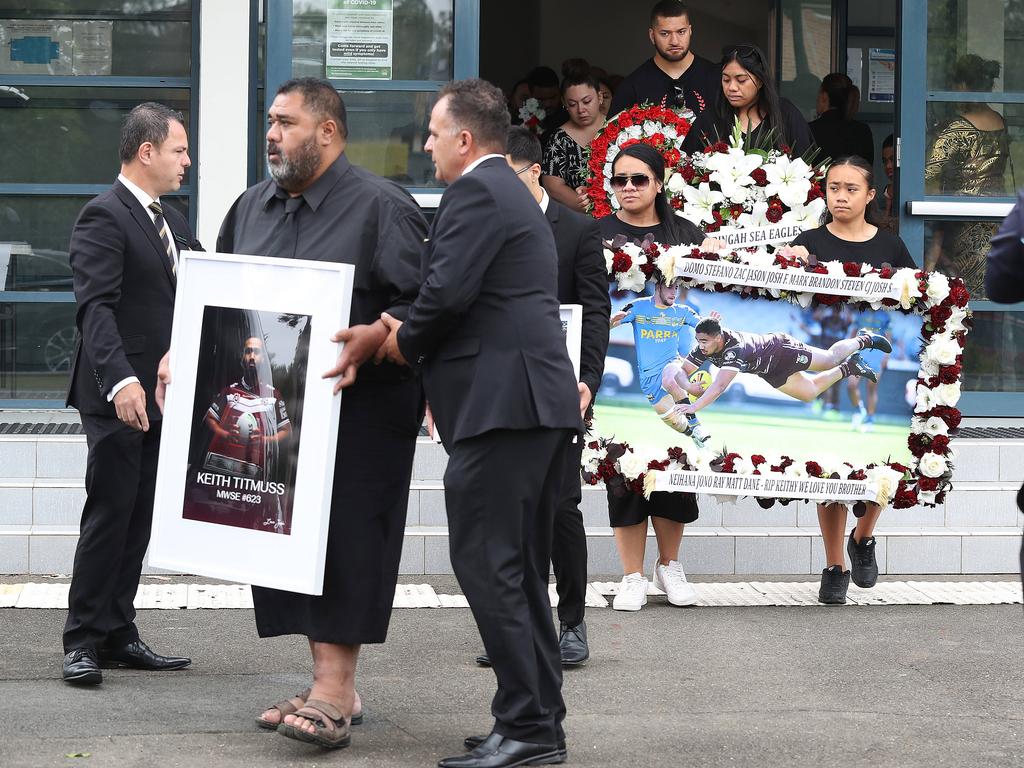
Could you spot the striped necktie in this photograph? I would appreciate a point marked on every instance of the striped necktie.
(165, 234)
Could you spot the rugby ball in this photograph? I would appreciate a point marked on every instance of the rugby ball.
(248, 426)
(701, 377)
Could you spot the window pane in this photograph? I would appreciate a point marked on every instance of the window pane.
(386, 134)
(973, 44)
(806, 50)
(994, 355)
(974, 149)
(98, 8)
(420, 41)
(958, 248)
(69, 135)
(39, 230)
(36, 344)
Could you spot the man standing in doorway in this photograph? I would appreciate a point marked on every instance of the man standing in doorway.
(675, 76)
(485, 332)
(124, 252)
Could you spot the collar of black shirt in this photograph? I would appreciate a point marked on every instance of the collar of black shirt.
(315, 194)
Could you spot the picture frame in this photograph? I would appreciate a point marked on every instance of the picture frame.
(250, 427)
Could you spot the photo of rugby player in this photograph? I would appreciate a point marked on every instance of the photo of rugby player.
(244, 438)
(663, 334)
(757, 384)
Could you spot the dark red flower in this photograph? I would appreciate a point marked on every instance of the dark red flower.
(760, 177)
(859, 474)
(720, 146)
(950, 374)
(735, 210)
(958, 295)
(905, 498)
(774, 213)
(757, 460)
(688, 173)
(676, 454)
(948, 414)
(672, 158)
(814, 469)
(621, 262)
(886, 273)
(928, 483)
(940, 444)
(851, 268)
(940, 314)
(657, 139)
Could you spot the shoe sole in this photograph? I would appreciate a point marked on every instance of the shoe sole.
(298, 734)
(571, 664)
(124, 665)
(630, 609)
(832, 602)
(85, 678)
(865, 585)
(684, 604)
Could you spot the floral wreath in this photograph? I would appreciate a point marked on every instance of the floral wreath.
(532, 115)
(946, 319)
(659, 127)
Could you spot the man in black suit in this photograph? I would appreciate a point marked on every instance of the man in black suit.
(123, 253)
(582, 279)
(484, 330)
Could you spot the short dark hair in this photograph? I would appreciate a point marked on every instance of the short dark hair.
(523, 146)
(320, 98)
(888, 141)
(668, 9)
(836, 86)
(147, 122)
(709, 327)
(541, 77)
(478, 106)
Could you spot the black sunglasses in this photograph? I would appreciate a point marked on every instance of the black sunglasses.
(639, 181)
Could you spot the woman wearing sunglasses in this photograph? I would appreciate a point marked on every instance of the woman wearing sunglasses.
(565, 167)
(637, 174)
(748, 94)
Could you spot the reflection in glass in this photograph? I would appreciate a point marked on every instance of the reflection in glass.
(806, 50)
(69, 135)
(36, 344)
(386, 134)
(994, 356)
(98, 8)
(421, 46)
(959, 249)
(993, 29)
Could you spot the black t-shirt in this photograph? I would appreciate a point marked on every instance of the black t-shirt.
(648, 83)
(883, 248)
(611, 225)
(838, 137)
(707, 129)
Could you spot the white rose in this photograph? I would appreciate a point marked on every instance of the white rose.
(633, 132)
(632, 465)
(938, 288)
(946, 394)
(932, 465)
(634, 280)
(670, 132)
(942, 350)
(676, 183)
(935, 426)
(925, 401)
(611, 154)
(651, 128)
(739, 194)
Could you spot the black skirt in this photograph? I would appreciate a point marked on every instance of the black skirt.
(372, 471)
(632, 508)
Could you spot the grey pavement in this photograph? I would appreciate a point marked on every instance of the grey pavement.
(855, 686)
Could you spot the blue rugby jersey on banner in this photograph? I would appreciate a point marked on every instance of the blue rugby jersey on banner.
(658, 332)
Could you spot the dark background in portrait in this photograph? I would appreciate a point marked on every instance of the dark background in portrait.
(286, 352)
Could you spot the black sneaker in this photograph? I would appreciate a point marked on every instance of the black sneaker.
(855, 366)
(863, 566)
(875, 341)
(834, 583)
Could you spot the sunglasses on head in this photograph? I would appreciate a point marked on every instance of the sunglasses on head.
(639, 180)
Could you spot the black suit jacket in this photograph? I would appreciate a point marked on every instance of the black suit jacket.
(484, 328)
(124, 286)
(1004, 279)
(582, 279)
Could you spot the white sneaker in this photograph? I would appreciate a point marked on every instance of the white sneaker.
(699, 436)
(671, 580)
(632, 594)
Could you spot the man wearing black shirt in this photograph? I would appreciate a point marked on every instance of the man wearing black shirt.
(675, 76)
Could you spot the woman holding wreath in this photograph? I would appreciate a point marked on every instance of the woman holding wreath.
(565, 164)
(850, 234)
(637, 182)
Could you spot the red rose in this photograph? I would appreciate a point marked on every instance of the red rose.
(959, 295)
(760, 177)
(814, 469)
(621, 262)
(688, 173)
(886, 273)
(940, 314)
(851, 268)
(672, 158)
(940, 443)
(612, 131)
(949, 374)
(905, 498)
(720, 146)
(774, 213)
(657, 138)
(625, 120)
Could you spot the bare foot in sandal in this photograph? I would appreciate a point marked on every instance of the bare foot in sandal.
(319, 722)
(274, 715)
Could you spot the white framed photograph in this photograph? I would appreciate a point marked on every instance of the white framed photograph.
(250, 427)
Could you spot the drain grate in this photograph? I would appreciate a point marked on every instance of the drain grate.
(992, 433)
(29, 428)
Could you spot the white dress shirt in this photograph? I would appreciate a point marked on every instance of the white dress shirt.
(479, 160)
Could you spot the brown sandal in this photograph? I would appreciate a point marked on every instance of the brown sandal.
(285, 707)
(332, 728)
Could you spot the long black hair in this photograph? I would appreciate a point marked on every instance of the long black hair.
(753, 60)
(652, 158)
(871, 214)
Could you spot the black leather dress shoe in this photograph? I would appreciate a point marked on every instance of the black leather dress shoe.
(81, 667)
(498, 752)
(138, 655)
(572, 644)
(472, 742)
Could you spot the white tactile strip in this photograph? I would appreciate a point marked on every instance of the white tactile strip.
(710, 594)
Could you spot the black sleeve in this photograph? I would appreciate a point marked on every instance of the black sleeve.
(623, 98)
(1004, 280)
(226, 235)
(396, 263)
(592, 291)
(701, 133)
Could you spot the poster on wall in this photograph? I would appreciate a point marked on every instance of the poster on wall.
(250, 428)
(881, 75)
(360, 39)
(55, 47)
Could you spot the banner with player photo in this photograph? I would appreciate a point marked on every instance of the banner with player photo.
(250, 427)
(754, 374)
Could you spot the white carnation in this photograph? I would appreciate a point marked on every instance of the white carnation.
(651, 128)
(929, 367)
(936, 426)
(917, 425)
(925, 401)
(938, 288)
(675, 183)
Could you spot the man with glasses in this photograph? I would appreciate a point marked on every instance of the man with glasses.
(675, 76)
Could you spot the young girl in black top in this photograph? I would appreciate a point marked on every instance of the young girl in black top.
(850, 234)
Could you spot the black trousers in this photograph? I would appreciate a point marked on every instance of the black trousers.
(120, 480)
(569, 546)
(501, 491)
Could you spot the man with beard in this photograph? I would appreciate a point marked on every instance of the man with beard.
(675, 77)
(317, 205)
